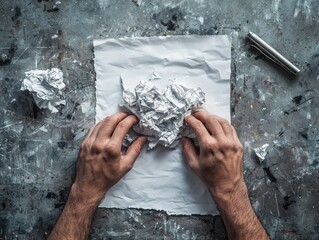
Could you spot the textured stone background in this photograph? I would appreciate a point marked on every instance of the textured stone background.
(268, 106)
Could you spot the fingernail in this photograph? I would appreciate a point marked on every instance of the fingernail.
(134, 117)
(136, 120)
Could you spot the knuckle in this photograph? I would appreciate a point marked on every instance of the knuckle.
(124, 124)
(209, 145)
(231, 146)
(192, 164)
(109, 119)
(137, 150)
(83, 146)
(212, 121)
(212, 118)
(111, 149)
(197, 124)
(224, 121)
(226, 145)
(220, 120)
(238, 147)
(97, 147)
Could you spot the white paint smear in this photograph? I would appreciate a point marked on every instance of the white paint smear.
(201, 20)
(54, 36)
(46, 87)
(43, 129)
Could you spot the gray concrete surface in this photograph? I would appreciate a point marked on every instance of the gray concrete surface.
(268, 106)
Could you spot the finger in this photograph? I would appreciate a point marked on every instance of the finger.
(134, 151)
(190, 154)
(91, 131)
(198, 109)
(122, 128)
(227, 128)
(198, 127)
(109, 123)
(235, 136)
(211, 123)
(94, 130)
(91, 136)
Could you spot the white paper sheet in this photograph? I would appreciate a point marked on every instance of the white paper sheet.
(160, 178)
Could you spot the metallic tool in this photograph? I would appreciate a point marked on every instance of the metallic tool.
(272, 54)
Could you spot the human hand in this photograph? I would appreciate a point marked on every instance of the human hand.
(219, 162)
(101, 163)
(220, 165)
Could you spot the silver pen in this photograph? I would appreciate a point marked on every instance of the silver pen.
(271, 53)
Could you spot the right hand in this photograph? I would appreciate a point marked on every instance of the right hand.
(219, 162)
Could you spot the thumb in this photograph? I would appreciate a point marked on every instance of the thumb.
(190, 153)
(134, 150)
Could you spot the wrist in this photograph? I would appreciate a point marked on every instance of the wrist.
(83, 199)
(228, 194)
(76, 217)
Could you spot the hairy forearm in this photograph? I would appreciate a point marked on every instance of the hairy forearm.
(240, 220)
(76, 218)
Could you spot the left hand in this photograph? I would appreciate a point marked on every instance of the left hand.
(101, 163)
